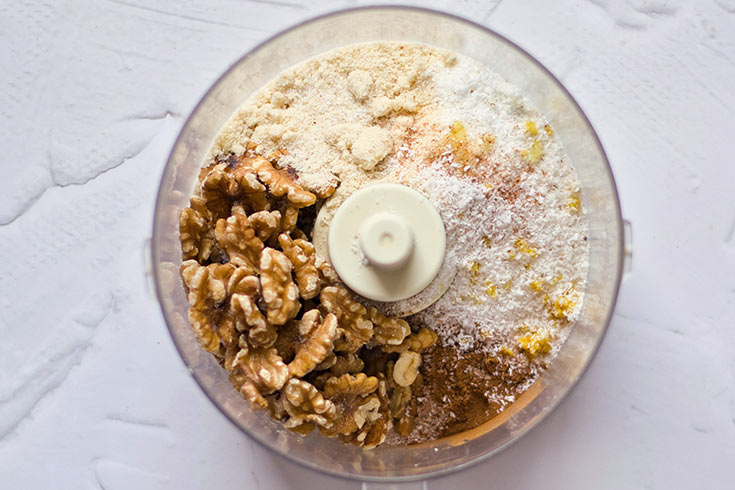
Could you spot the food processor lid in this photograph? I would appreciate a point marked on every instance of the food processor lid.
(387, 242)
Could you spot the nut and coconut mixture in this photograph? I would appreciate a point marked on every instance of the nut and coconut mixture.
(295, 341)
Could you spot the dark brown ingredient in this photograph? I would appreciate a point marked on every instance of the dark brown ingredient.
(464, 390)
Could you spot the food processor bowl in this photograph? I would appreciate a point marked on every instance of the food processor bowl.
(599, 199)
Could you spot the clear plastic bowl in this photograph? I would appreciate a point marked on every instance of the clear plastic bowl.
(599, 197)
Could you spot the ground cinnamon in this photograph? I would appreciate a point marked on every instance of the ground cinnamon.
(464, 390)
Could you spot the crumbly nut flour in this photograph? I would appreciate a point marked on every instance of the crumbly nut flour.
(489, 161)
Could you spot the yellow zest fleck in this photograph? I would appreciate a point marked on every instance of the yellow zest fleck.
(474, 272)
(575, 204)
(488, 186)
(490, 289)
(548, 130)
(523, 247)
(563, 306)
(466, 150)
(507, 351)
(458, 141)
(534, 153)
(531, 128)
(507, 284)
(486, 241)
(536, 342)
(511, 254)
(557, 279)
(536, 285)
(457, 135)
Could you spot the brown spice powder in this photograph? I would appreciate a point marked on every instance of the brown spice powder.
(464, 390)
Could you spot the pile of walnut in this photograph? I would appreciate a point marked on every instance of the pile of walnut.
(273, 312)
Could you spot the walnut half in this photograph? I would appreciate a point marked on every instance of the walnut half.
(363, 416)
(244, 292)
(309, 276)
(306, 405)
(280, 294)
(233, 182)
(262, 367)
(238, 239)
(281, 183)
(406, 368)
(351, 396)
(196, 230)
(388, 331)
(207, 291)
(416, 342)
(355, 327)
(315, 342)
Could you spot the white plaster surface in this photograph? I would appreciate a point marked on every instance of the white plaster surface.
(92, 392)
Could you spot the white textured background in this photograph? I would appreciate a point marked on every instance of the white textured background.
(92, 393)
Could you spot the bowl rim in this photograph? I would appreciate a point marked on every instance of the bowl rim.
(618, 271)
